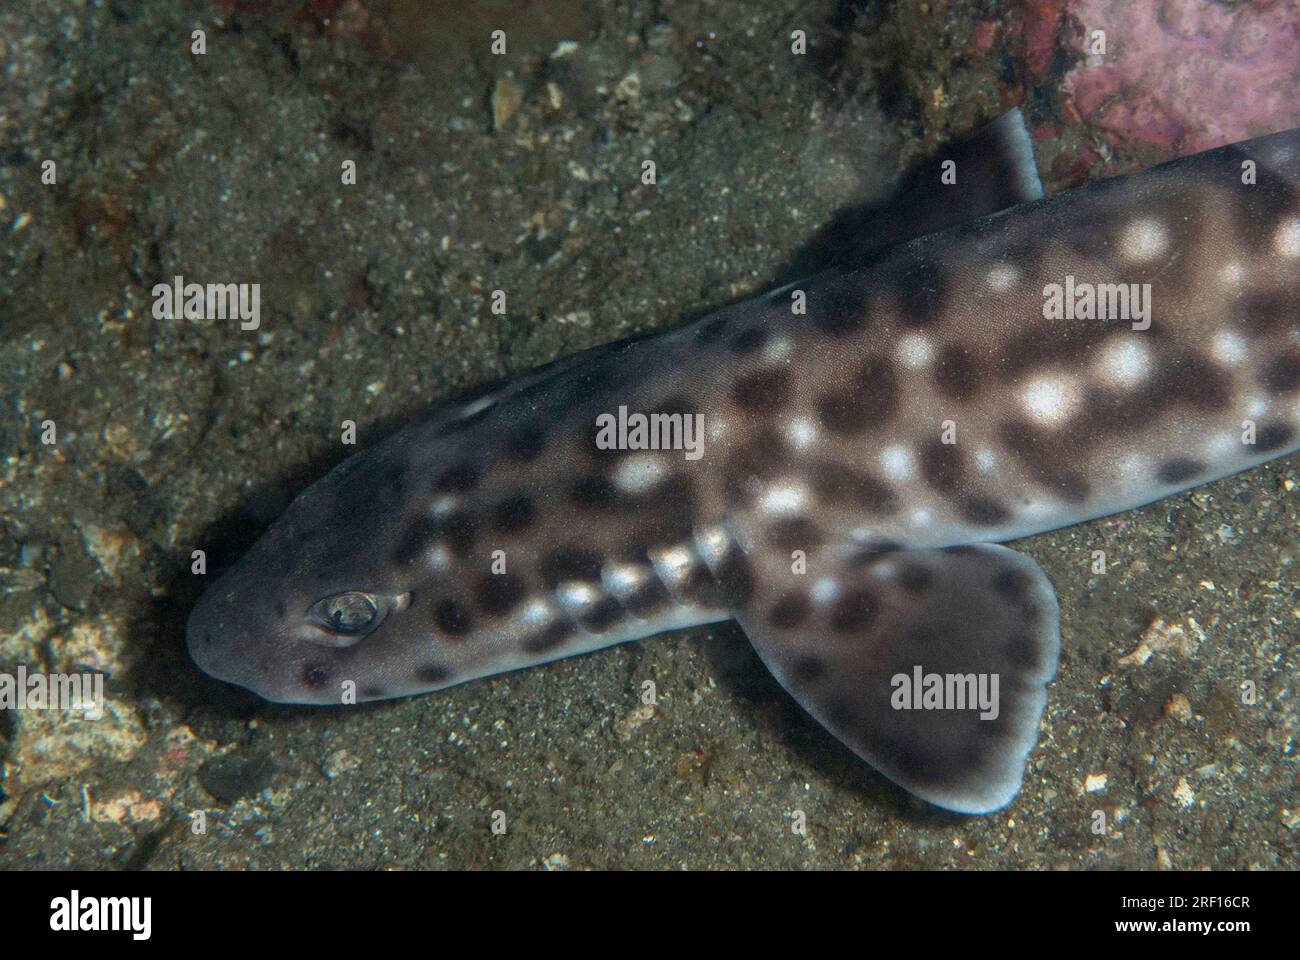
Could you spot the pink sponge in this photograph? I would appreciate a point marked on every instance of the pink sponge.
(1187, 75)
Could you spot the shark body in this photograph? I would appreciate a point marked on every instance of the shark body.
(843, 457)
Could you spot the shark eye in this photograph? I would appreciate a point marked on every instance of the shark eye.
(350, 614)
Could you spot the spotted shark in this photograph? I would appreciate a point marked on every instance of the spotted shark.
(863, 441)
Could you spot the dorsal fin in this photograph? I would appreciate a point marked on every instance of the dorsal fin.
(994, 170)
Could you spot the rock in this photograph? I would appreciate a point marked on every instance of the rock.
(237, 775)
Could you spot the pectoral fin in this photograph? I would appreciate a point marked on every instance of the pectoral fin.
(858, 644)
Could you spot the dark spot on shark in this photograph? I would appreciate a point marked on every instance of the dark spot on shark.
(1069, 486)
(1273, 436)
(595, 493)
(1179, 470)
(602, 615)
(747, 341)
(699, 587)
(735, 581)
(807, 669)
(513, 514)
(1282, 375)
(416, 538)
(1195, 381)
(763, 391)
(1021, 651)
(665, 527)
(499, 593)
(840, 484)
(1262, 313)
(854, 612)
(458, 531)
(984, 511)
(314, 675)
(1042, 455)
(460, 478)
(1051, 344)
(870, 401)
(373, 693)
(433, 673)
(1012, 584)
(675, 404)
(526, 443)
(789, 611)
(795, 533)
(648, 598)
(957, 374)
(711, 330)
(757, 460)
(921, 286)
(840, 307)
(568, 564)
(664, 516)
(915, 578)
(546, 639)
(941, 465)
(453, 618)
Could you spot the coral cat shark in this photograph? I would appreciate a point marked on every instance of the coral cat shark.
(832, 465)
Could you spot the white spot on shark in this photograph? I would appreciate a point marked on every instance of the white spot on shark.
(1228, 347)
(1287, 239)
(623, 578)
(884, 569)
(575, 595)
(1051, 400)
(898, 463)
(778, 349)
(1003, 277)
(712, 544)
(801, 432)
(824, 590)
(1144, 239)
(443, 506)
(671, 563)
(783, 499)
(477, 406)
(437, 558)
(1223, 446)
(985, 460)
(639, 472)
(915, 351)
(536, 613)
(1123, 362)
(1135, 467)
